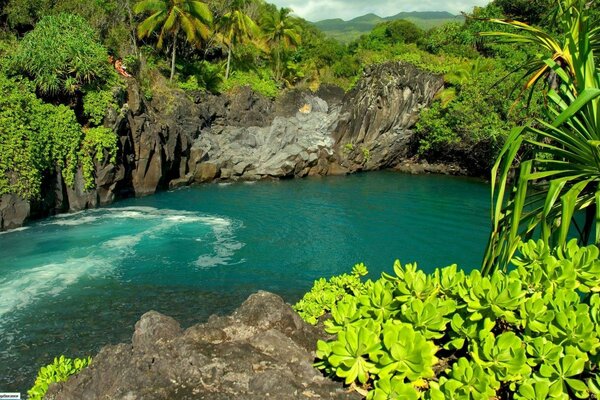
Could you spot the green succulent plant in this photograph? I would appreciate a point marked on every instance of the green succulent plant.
(535, 315)
(530, 334)
(495, 297)
(407, 353)
(378, 303)
(325, 294)
(428, 317)
(563, 375)
(543, 351)
(468, 381)
(410, 282)
(343, 314)
(59, 371)
(533, 389)
(350, 354)
(503, 355)
(393, 389)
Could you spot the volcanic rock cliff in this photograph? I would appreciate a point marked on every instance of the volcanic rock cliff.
(176, 139)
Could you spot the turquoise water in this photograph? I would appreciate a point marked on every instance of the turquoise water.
(73, 283)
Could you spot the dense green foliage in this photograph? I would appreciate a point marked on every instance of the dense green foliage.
(532, 333)
(38, 138)
(96, 103)
(61, 54)
(172, 16)
(59, 371)
(218, 45)
(56, 85)
(35, 137)
(559, 169)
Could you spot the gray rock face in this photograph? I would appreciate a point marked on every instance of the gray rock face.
(290, 146)
(13, 211)
(264, 350)
(374, 130)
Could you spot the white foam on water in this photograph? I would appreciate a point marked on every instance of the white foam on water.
(209, 261)
(23, 228)
(64, 221)
(224, 247)
(126, 242)
(183, 219)
(23, 287)
(69, 215)
(26, 286)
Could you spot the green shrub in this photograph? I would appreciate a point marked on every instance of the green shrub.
(260, 81)
(203, 76)
(59, 371)
(38, 138)
(96, 102)
(35, 138)
(99, 144)
(61, 54)
(531, 333)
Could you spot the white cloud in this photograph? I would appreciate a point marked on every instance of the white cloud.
(316, 10)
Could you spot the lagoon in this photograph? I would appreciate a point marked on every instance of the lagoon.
(73, 283)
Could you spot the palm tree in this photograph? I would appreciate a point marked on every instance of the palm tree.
(281, 33)
(172, 16)
(237, 28)
(559, 175)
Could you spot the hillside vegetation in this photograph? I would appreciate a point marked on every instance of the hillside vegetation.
(347, 31)
(231, 44)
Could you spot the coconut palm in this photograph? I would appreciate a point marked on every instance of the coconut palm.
(171, 17)
(281, 34)
(237, 28)
(559, 170)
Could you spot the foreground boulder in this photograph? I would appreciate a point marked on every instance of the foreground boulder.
(263, 350)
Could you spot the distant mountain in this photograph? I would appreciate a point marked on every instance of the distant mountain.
(346, 31)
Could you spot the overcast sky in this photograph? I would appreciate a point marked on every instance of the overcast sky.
(316, 10)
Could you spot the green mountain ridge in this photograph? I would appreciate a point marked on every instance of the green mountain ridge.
(346, 31)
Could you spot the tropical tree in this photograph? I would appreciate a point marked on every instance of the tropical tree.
(282, 33)
(559, 171)
(237, 28)
(171, 17)
(61, 54)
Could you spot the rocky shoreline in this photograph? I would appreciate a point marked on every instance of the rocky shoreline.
(263, 350)
(177, 139)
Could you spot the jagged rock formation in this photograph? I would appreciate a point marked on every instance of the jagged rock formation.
(296, 143)
(374, 130)
(175, 140)
(263, 350)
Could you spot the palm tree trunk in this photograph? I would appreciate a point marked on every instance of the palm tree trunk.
(277, 65)
(228, 63)
(132, 28)
(173, 58)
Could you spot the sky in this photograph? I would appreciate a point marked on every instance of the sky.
(316, 10)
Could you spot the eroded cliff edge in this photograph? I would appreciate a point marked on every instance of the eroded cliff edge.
(178, 139)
